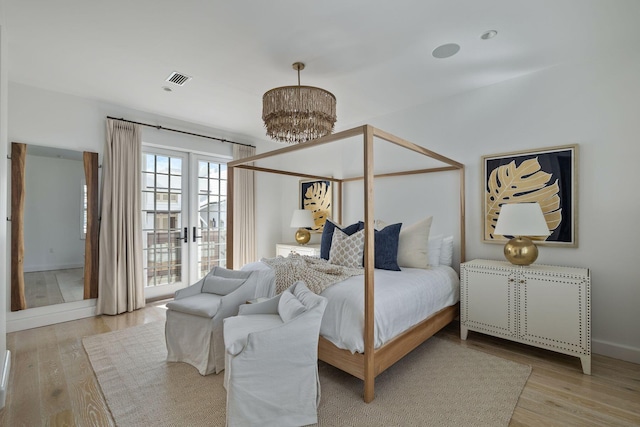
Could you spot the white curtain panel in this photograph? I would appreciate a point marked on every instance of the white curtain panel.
(244, 224)
(120, 284)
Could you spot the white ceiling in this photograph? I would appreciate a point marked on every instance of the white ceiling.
(375, 56)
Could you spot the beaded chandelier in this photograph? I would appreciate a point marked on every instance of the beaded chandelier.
(294, 114)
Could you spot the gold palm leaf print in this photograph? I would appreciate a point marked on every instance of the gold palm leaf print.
(522, 184)
(317, 199)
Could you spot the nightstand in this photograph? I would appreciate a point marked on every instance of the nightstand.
(541, 305)
(284, 249)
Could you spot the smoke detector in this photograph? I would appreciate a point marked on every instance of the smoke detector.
(178, 79)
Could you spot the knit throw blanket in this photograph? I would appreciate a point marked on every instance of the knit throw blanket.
(316, 273)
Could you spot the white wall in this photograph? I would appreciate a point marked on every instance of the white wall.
(52, 213)
(595, 105)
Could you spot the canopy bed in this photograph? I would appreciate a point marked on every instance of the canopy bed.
(357, 148)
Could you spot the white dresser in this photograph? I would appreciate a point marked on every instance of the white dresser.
(541, 305)
(284, 249)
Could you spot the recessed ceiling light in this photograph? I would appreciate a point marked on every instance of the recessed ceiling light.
(166, 89)
(489, 34)
(445, 51)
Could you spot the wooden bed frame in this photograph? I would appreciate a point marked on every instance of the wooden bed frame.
(372, 362)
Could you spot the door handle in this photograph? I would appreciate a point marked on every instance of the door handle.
(195, 236)
(185, 238)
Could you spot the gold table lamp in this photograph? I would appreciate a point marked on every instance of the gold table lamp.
(301, 219)
(521, 220)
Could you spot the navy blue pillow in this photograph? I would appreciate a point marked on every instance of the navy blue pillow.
(327, 235)
(386, 246)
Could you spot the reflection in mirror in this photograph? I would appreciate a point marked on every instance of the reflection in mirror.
(58, 221)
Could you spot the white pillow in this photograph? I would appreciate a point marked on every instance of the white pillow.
(289, 307)
(435, 246)
(303, 294)
(347, 250)
(413, 248)
(446, 251)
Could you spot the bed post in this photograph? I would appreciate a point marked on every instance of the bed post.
(463, 238)
(369, 260)
(338, 199)
(230, 177)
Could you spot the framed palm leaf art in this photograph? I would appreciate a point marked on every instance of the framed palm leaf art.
(547, 176)
(316, 196)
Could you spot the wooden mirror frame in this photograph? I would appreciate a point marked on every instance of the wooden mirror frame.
(18, 163)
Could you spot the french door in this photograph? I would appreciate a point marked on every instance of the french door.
(183, 217)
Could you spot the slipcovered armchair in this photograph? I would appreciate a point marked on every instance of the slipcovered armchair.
(271, 360)
(194, 327)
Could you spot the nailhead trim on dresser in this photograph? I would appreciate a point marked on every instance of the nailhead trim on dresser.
(547, 306)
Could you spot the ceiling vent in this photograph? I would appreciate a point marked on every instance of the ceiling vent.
(178, 79)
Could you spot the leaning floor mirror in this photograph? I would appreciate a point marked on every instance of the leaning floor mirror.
(54, 226)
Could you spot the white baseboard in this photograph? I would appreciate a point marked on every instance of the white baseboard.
(50, 315)
(4, 378)
(617, 351)
(50, 267)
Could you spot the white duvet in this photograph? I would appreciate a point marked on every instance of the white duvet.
(402, 299)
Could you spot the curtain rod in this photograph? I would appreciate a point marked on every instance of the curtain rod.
(179, 131)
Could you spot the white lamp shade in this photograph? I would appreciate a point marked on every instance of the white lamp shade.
(302, 218)
(521, 219)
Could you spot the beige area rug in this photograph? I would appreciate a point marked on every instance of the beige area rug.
(438, 384)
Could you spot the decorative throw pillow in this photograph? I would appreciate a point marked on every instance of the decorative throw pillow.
(327, 235)
(347, 250)
(446, 251)
(304, 295)
(413, 244)
(220, 285)
(435, 245)
(386, 247)
(289, 307)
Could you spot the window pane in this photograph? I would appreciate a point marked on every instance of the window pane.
(203, 185)
(176, 202)
(176, 183)
(162, 181)
(214, 170)
(214, 204)
(203, 168)
(149, 163)
(162, 164)
(147, 200)
(148, 180)
(176, 166)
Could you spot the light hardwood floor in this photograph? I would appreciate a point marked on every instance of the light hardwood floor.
(52, 383)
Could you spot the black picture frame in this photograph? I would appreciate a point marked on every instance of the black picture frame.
(547, 176)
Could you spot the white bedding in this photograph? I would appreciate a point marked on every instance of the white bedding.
(402, 299)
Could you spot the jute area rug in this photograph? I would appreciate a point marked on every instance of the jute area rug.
(438, 384)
